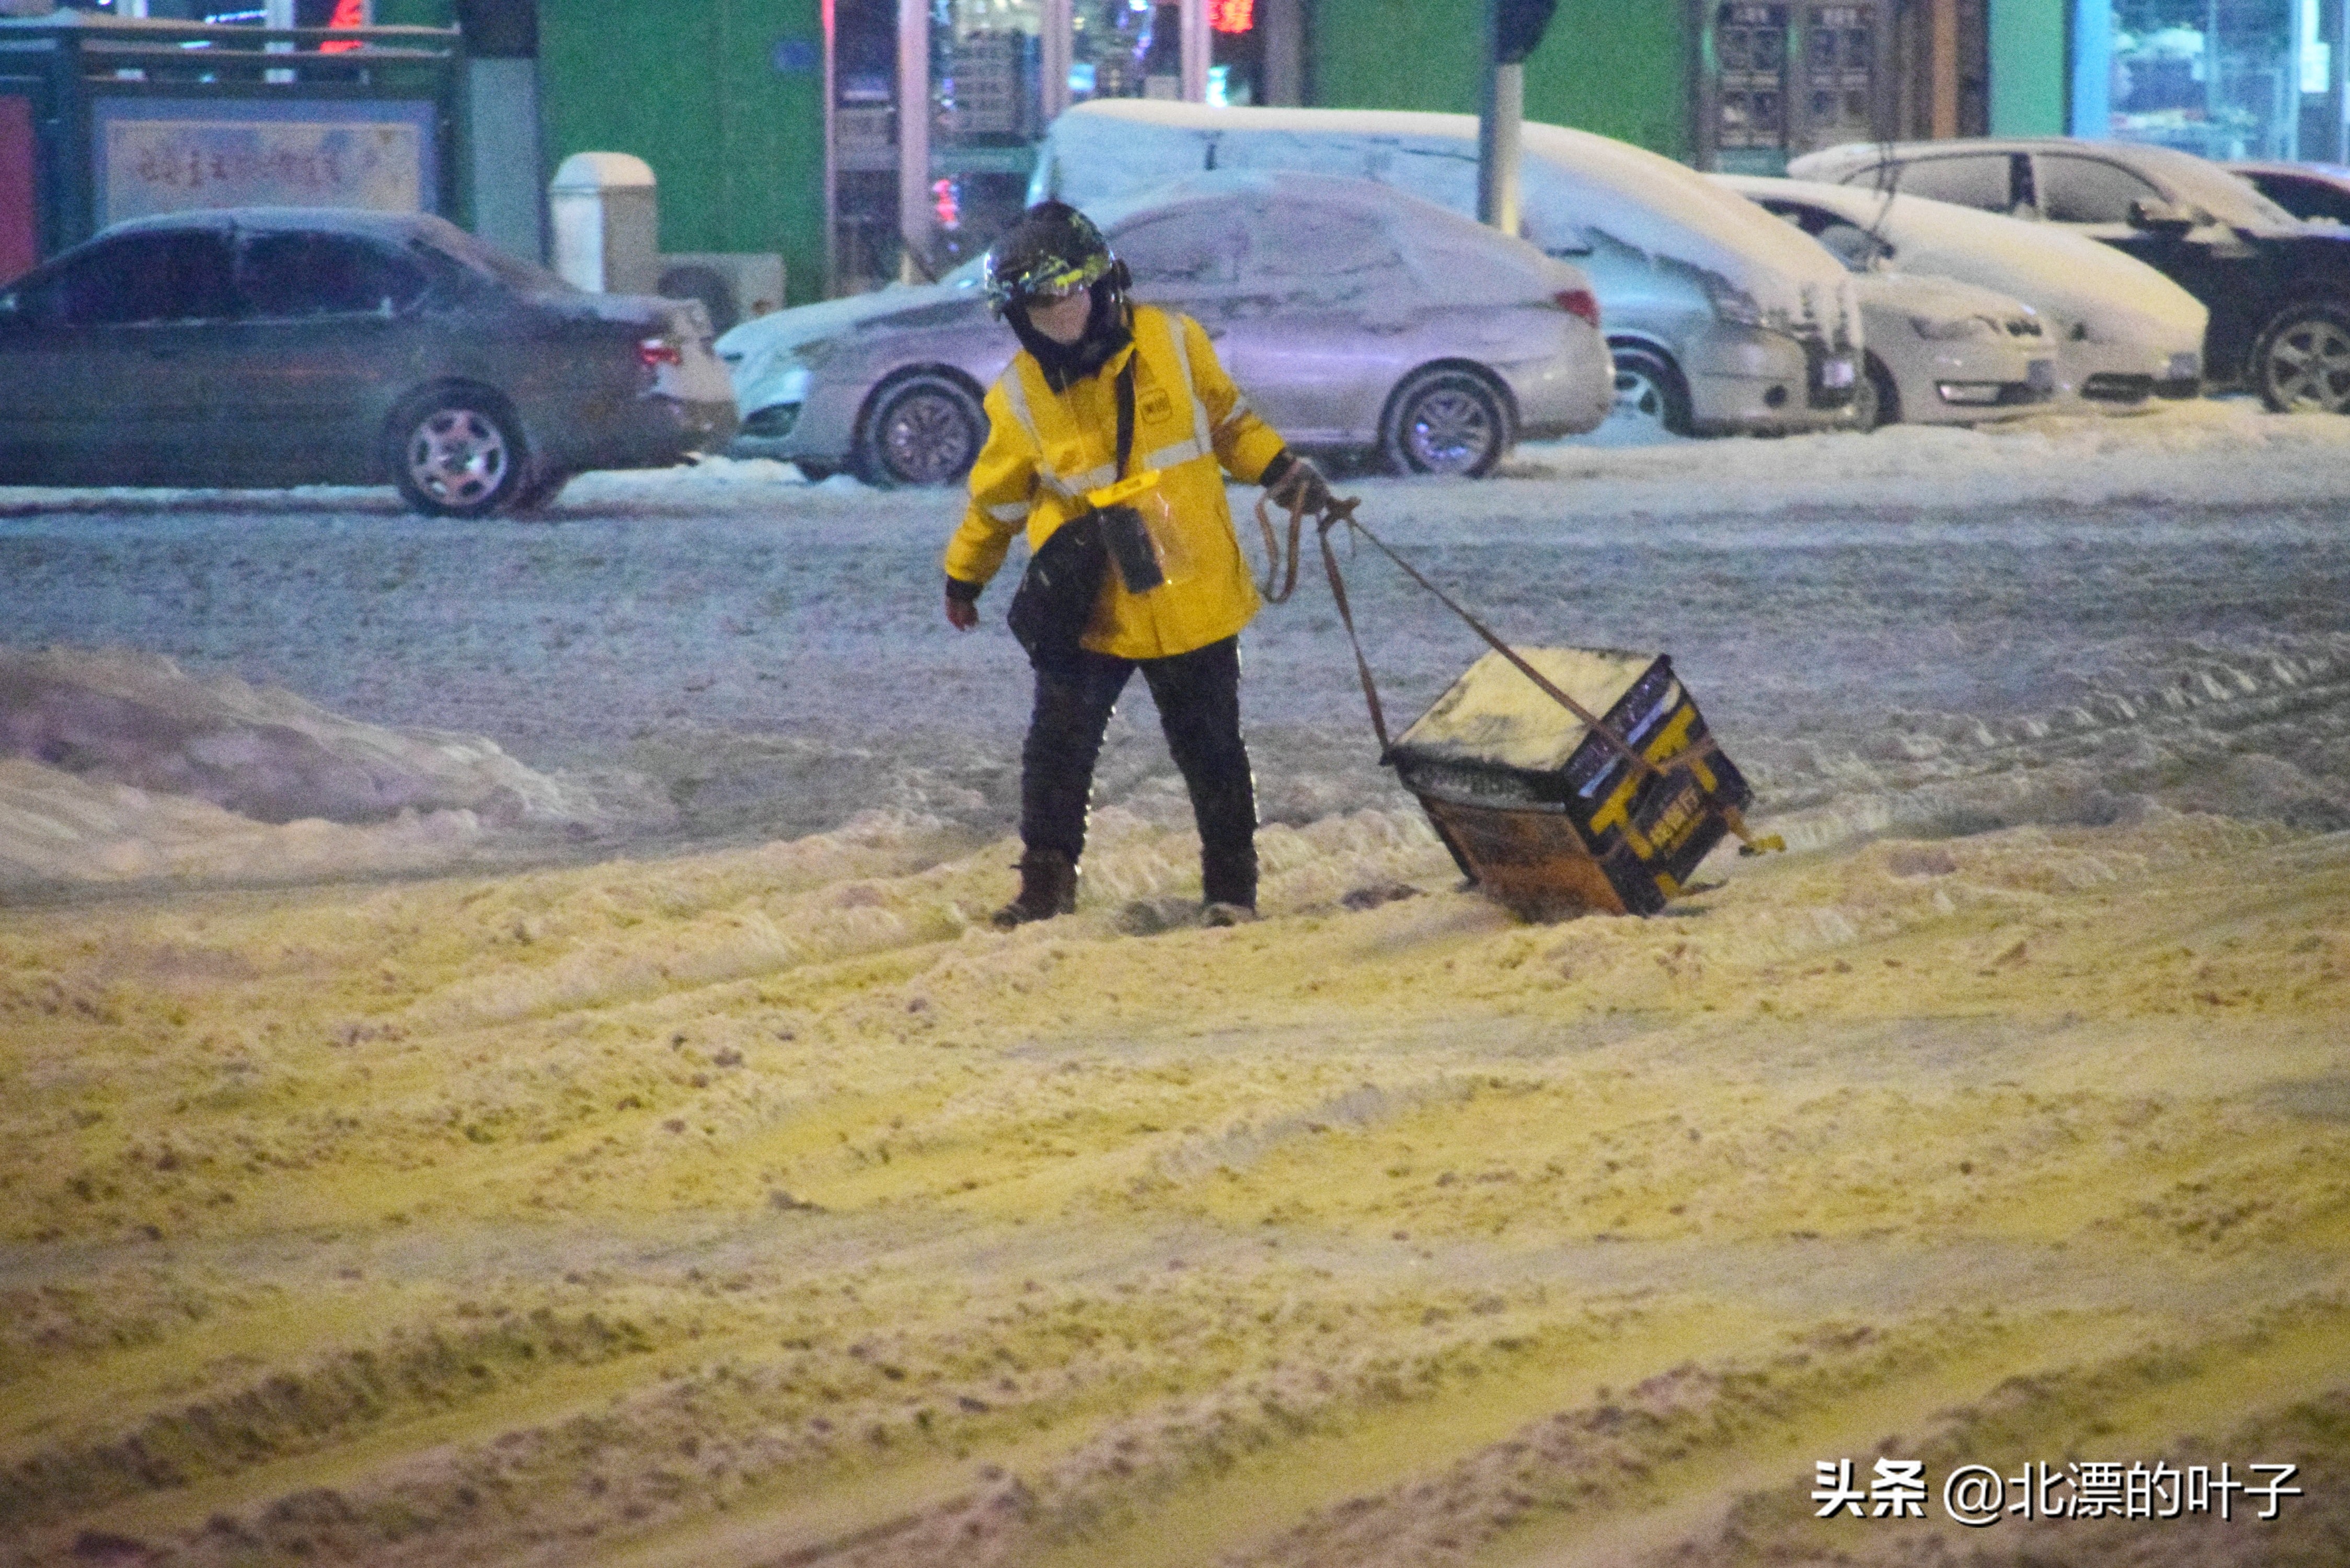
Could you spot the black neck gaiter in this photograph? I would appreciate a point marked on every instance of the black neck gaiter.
(1107, 330)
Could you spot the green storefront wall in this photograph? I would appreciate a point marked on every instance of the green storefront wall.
(703, 90)
(1615, 67)
(723, 97)
(2031, 75)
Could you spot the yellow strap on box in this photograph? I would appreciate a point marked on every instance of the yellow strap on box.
(1124, 491)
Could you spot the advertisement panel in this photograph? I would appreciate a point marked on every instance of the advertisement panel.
(170, 155)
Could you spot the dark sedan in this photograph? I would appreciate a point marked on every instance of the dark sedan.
(2278, 288)
(281, 346)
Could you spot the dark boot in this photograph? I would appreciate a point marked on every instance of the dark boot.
(1048, 887)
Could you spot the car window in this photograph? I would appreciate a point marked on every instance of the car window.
(2304, 197)
(138, 278)
(1855, 246)
(2089, 190)
(307, 274)
(1978, 180)
(1189, 247)
(1306, 239)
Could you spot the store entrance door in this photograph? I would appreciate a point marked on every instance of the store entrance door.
(1782, 78)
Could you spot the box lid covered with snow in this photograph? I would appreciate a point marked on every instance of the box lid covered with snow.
(1548, 817)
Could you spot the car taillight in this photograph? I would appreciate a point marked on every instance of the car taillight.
(655, 351)
(1578, 301)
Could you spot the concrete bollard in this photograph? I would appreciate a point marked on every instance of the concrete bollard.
(606, 223)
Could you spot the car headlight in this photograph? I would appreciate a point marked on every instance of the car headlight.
(1951, 328)
(1735, 306)
(791, 386)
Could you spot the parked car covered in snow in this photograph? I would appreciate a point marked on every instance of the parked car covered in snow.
(2119, 331)
(1720, 319)
(2278, 288)
(1356, 319)
(1941, 352)
(276, 345)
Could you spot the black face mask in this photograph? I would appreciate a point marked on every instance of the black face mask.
(1109, 328)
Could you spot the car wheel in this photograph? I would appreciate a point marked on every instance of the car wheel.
(1649, 391)
(1445, 421)
(457, 453)
(925, 430)
(1877, 402)
(2302, 360)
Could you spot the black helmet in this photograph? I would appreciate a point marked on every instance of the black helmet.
(1053, 250)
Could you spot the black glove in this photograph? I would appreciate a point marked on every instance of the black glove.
(1297, 485)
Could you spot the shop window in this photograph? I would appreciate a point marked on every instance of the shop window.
(2222, 79)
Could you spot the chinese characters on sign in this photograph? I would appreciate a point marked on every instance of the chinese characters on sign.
(1979, 1495)
(171, 156)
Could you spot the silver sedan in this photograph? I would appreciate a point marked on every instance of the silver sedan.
(1357, 318)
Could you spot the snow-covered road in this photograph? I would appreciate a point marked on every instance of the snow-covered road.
(1928, 629)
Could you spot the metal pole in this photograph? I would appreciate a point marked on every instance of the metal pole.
(1500, 114)
(1055, 50)
(1195, 51)
(831, 154)
(914, 137)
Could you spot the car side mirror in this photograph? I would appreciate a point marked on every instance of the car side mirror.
(2161, 217)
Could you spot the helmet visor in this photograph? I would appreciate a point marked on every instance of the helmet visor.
(1046, 277)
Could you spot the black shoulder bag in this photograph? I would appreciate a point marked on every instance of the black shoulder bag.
(1057, 593)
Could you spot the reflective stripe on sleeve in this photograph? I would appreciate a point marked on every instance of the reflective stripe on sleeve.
(1182, 452)
(1174, 325)
(1009, 511)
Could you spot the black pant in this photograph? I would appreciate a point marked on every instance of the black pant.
(1199, 698)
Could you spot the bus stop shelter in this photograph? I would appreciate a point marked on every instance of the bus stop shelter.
(104, 118)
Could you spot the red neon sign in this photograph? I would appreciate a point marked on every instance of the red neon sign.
(1231, 15)
(347, 13)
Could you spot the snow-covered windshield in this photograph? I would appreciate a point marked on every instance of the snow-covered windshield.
(2226, 197)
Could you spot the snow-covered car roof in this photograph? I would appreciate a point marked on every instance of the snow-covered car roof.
(1576, 186)
(2043, 264)
(2182, 175)
(1475, 265)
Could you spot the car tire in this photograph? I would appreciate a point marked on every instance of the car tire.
(1650, 389)
(1446, 421)
(541, 493)
(2302, 360)
(1877, 400)
(924, 430)
(457, 452)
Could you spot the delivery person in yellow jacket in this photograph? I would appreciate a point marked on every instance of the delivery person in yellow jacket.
(1052, 460)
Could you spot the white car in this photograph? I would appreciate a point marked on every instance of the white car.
(1720, 319)
(2121, 332)
(1357, 319)
(1948, 353)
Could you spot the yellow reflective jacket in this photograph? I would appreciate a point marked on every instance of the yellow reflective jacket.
(1045, 451)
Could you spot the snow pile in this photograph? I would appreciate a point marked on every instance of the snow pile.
(2217, 452)
(117, 764)
(116, 716)
(57, 828)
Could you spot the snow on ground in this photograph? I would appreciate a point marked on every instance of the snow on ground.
(117, 765)
(2055, 621)
(725, 1193)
